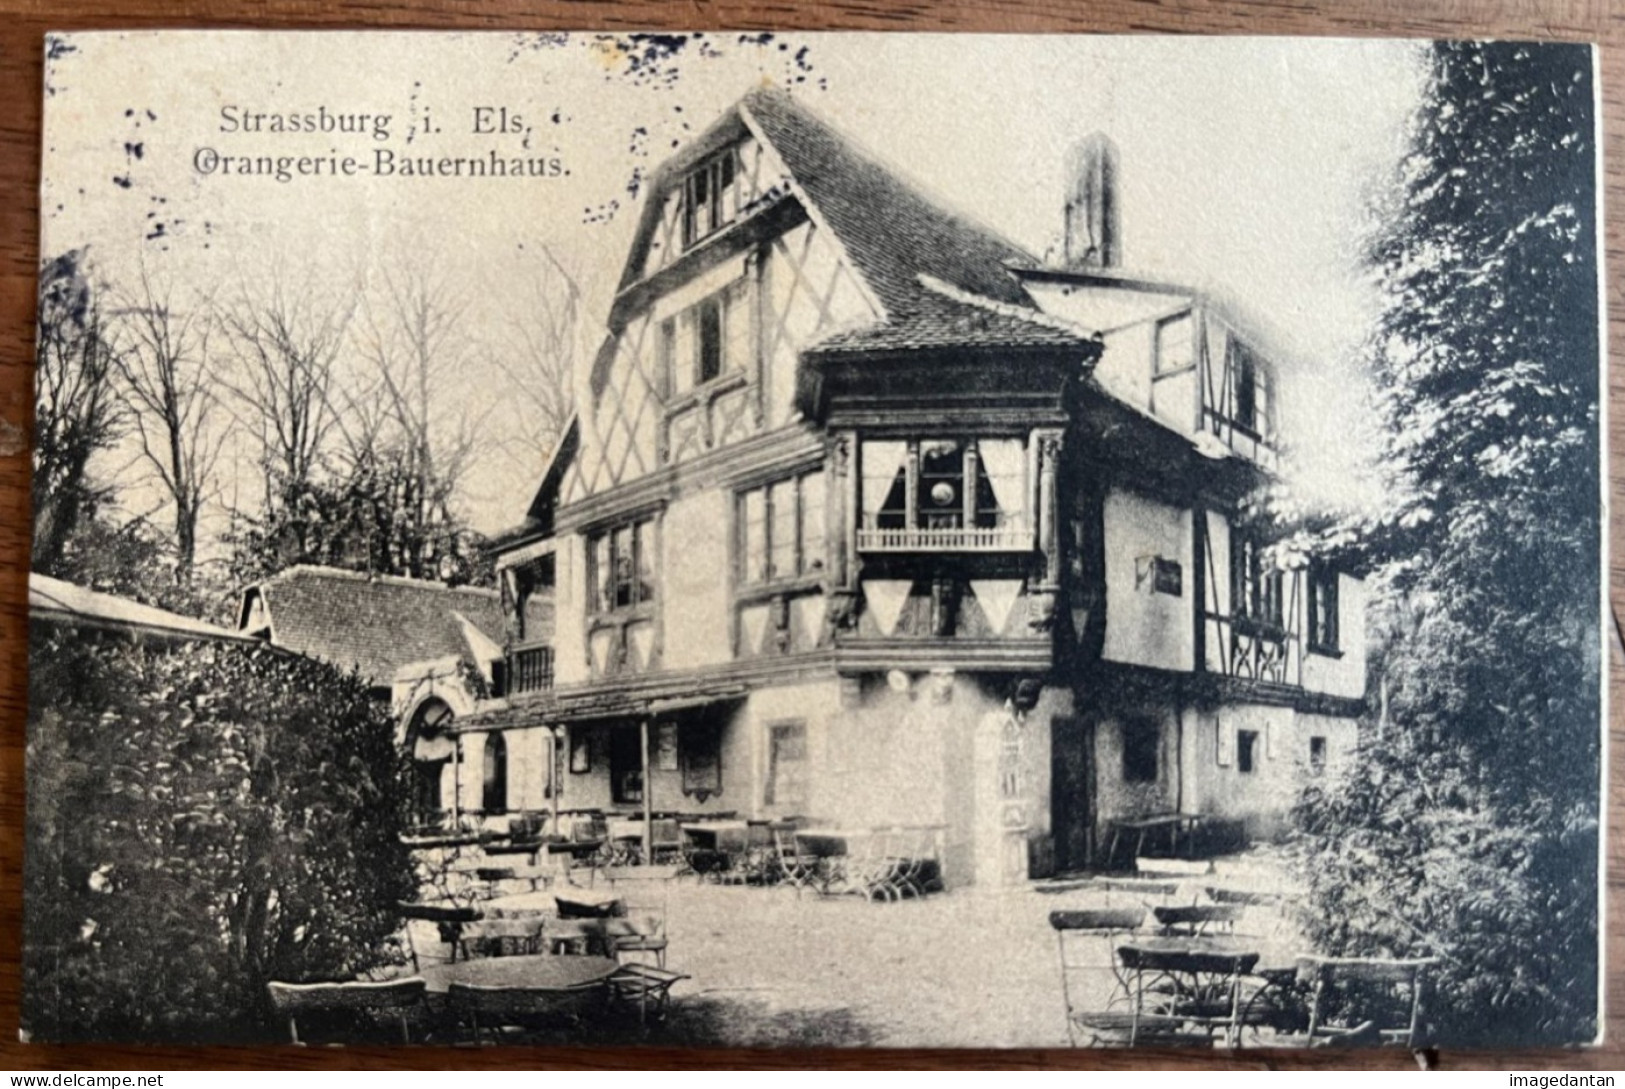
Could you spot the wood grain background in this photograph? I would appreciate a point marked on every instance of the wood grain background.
(22, 24)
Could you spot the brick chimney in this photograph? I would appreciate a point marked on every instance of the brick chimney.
(1093, 239)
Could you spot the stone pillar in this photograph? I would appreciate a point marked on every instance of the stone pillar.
(1003, 801)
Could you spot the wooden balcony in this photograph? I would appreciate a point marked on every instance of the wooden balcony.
(1011, 538)
(530, 669)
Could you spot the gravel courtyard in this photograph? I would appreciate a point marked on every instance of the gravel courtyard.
(961, 969)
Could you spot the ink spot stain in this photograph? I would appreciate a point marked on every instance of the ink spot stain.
(123, 182)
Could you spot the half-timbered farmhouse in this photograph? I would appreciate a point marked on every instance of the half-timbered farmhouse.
(869, 515)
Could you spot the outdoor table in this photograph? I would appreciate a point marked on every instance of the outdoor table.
(830, 849)
(576, 849)
(1175, 824)
(515, 847)
(522, 905)
(1195, 980)
(730, 836)
(544, 973)
(827, 842)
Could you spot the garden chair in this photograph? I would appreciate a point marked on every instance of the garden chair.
(649, 986)
(1100, 1008)
(1198, 920)
(347, 1011)
(488, 1011)
(501, 938)
(1364, 1000)
(798, 870)
(448, 918)
(644, 894)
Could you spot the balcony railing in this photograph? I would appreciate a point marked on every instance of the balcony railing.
(530, 669)
(1009, 538)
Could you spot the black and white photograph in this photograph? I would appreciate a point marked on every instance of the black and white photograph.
(811, 540)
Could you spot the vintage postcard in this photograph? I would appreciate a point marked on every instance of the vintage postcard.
(743, 539)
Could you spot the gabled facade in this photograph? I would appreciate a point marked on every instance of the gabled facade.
(871, 517)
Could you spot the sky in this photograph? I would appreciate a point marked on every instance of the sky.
(1248, 165)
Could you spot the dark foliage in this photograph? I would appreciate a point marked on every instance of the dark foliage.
(1469, 829)
(77, 412)
(202, 819)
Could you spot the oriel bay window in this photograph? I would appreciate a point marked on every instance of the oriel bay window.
(966, 494)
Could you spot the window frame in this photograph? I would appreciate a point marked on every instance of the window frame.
(1324, 638)
(720, 211)
(1187, 317)
(1257, 593)
(1257, 422)
(494, 758)
(772, 580)
(642, 528)
(686, 329)
(1247, 749)
(1318, 750)
(914, 509)
(770, 793)
(1147, 732)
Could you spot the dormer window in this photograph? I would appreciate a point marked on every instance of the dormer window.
(710, 198)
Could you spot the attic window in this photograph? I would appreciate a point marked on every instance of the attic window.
(710, 197)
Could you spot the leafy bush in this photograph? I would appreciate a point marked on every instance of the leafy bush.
(202, 819)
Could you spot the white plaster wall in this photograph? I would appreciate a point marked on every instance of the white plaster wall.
(1144, 627)
(1262, 798)
(1345, 675)
(1216, 574)
(696, 590)
(569, 603)
(810, 292)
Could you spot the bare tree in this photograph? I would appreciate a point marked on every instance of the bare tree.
(77, 412)
(285, 348)
(172, 402)
(406, 423)
(542, 344)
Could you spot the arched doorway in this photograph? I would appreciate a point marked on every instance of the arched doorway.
(433, 751)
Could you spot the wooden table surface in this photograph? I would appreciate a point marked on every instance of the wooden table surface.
(541, 972)
(22, 24)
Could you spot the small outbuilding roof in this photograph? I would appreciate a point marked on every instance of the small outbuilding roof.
(378, 623)
(53, 601)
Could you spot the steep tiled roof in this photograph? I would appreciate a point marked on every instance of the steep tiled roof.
(934, 320)
(893, 233)
(378, 624)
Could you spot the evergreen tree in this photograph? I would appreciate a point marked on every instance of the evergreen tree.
(1469, 829)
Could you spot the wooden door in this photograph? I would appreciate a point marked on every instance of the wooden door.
(1072, 792)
